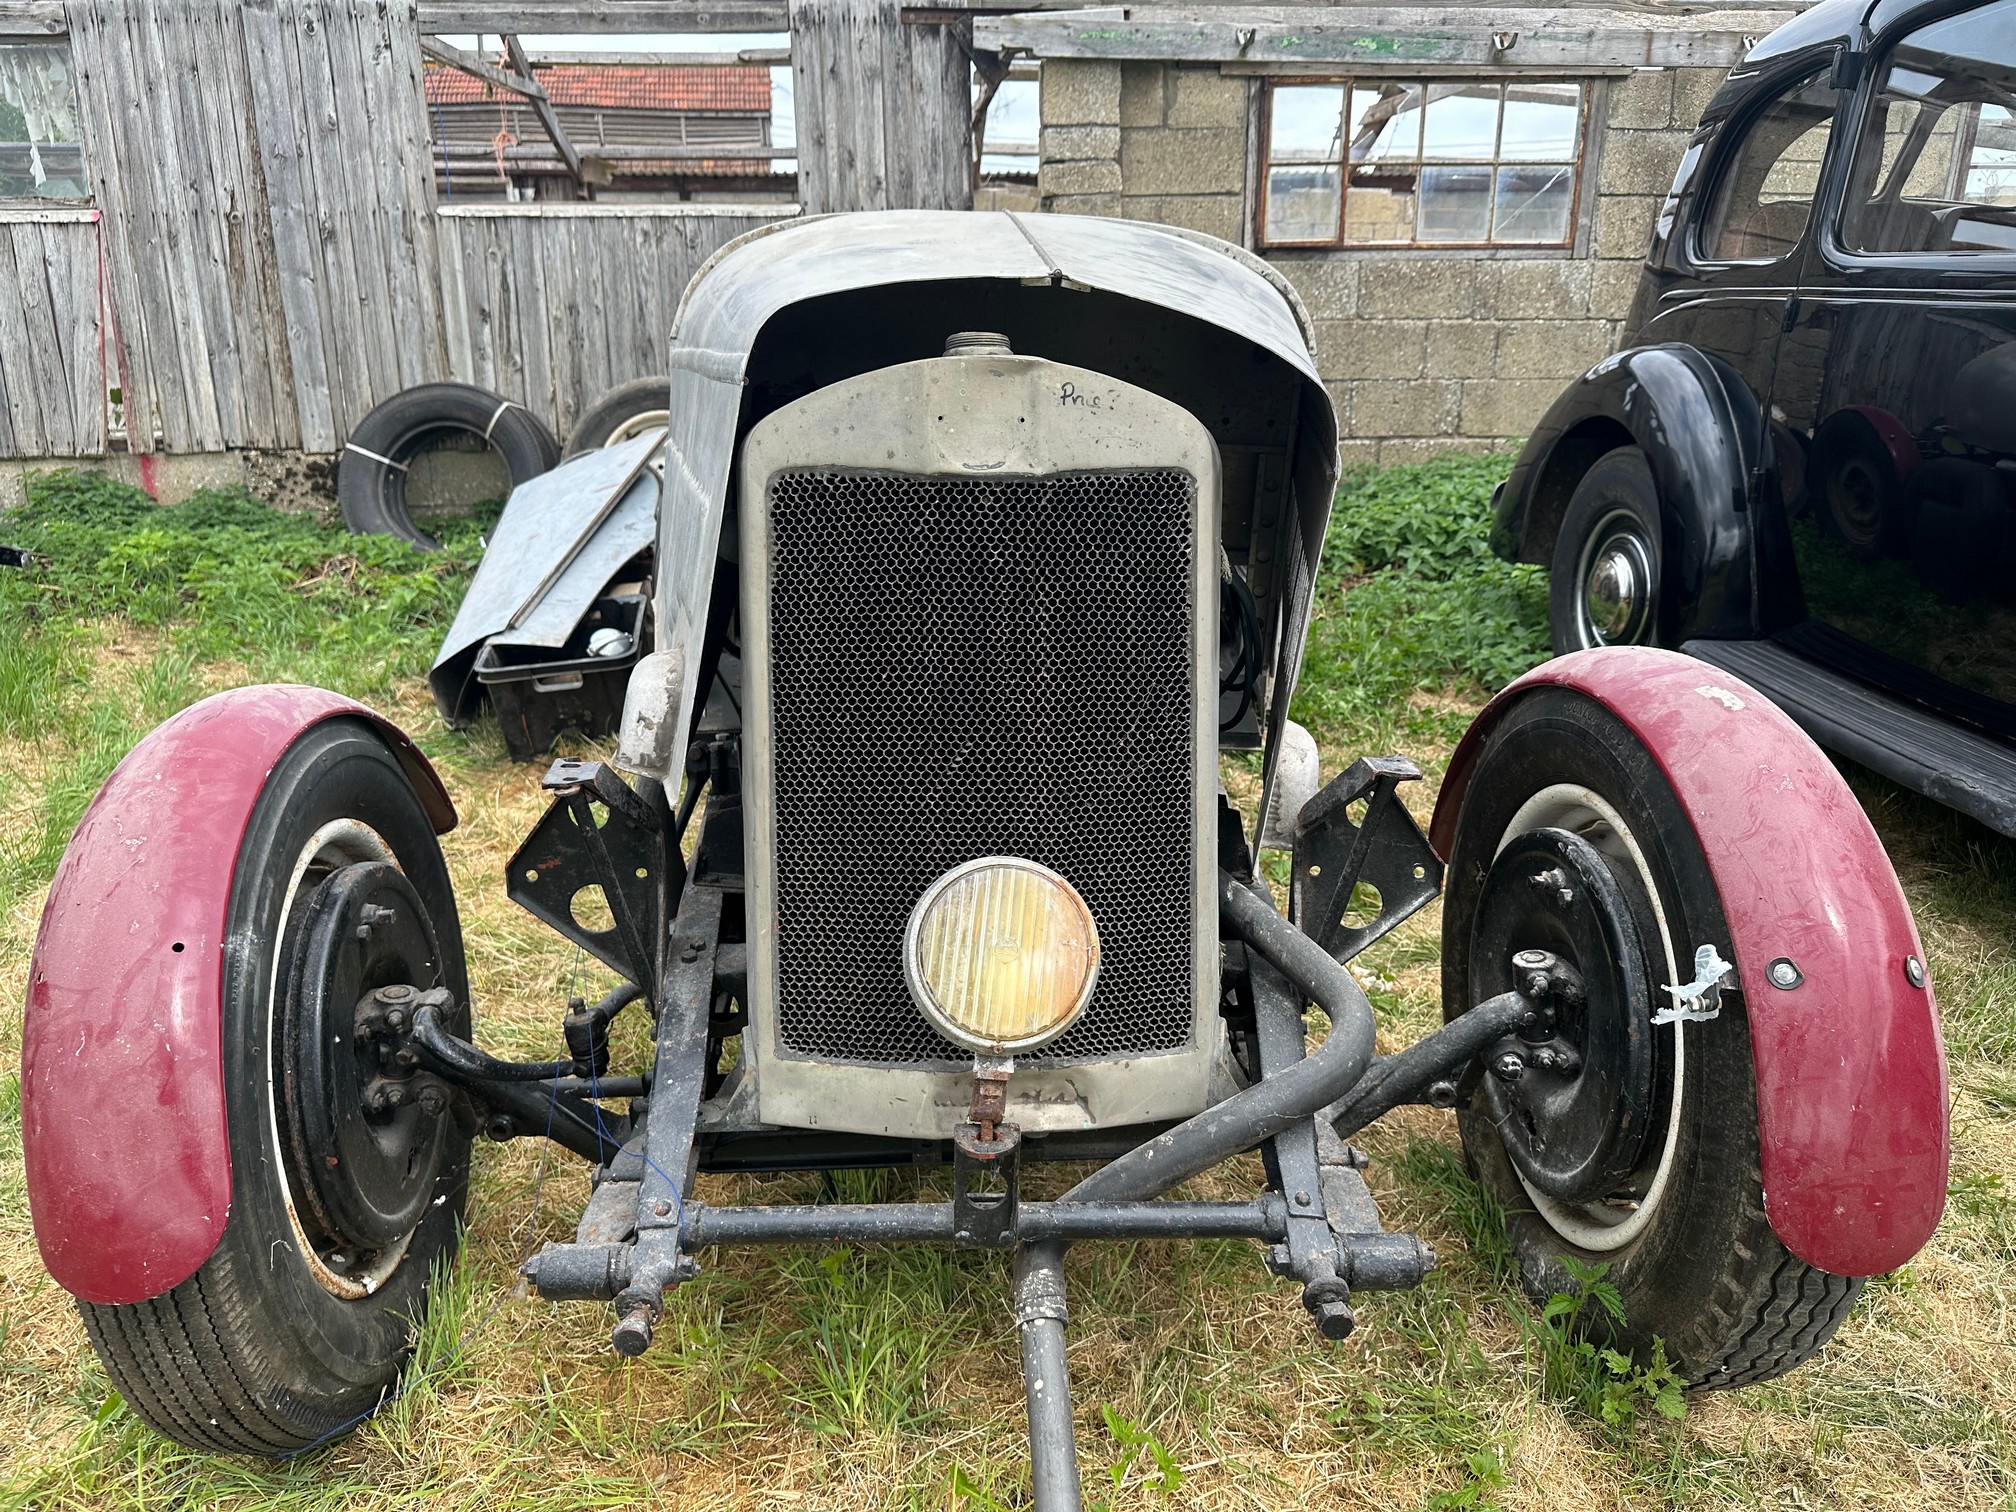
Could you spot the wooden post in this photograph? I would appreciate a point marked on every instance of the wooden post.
(543, 107)
(884, 107)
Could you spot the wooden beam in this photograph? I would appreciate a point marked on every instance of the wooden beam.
(475, 67)
(32, 18)
(734, 152)
(543, 108)
(769, 57)
(1387, 39)
(553, 17)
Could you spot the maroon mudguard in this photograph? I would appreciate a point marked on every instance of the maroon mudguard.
(122, 1091)
(1851, 1073)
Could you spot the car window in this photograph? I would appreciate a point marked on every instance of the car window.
(1764, 196)
(1935, 170)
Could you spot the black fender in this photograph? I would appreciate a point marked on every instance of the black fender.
(1701, 428)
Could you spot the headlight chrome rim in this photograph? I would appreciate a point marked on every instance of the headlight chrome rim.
(927, 1001)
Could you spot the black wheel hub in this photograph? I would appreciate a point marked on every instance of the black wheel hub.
(1572, 1095)
(362, 1126)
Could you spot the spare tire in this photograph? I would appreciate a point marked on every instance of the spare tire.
(627, 410)
(371, 478)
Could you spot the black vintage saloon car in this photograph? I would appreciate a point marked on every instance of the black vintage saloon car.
(1801, 463)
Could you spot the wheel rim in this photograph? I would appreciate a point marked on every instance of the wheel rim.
(1614, 580)
(1604, 1226)
(340, 843)
(637, 425)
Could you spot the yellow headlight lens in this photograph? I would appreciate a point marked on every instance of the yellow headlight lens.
(1001, 954)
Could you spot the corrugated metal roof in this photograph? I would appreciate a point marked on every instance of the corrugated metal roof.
(642, 86)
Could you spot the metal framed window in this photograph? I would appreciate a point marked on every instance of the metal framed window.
(1422, 163)
(41, 156)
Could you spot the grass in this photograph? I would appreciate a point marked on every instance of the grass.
(857, 1378)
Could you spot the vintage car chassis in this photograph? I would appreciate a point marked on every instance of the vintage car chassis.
(643, 1228)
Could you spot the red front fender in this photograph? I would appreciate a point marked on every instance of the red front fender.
(1851, 1074)
(122, 1090)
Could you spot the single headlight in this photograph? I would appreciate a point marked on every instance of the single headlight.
(1001, 954)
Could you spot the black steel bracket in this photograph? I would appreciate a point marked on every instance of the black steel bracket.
(623, 850)
(986, 1187)
(1381, 847)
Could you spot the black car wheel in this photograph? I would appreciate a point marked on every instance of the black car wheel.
(1613, 1141)
(346, 1195)
(1604, 589)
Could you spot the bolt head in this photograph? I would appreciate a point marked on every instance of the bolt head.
(662, 1208)
(1335, 1320)
(1508, 1067)
(1784, 975)
(1914, 971)
(1301, 1199)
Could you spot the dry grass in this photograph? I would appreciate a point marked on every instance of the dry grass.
(852, 1379)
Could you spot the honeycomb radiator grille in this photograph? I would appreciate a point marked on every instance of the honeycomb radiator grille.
(963, 667)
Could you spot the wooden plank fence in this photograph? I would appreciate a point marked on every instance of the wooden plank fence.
(274, 257)
(52, 371)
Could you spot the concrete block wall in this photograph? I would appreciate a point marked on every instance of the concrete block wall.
(1423, 351)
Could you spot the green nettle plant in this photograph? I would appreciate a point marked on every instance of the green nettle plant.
(1605, 1383)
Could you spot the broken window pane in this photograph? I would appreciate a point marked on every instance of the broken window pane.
(1535, 203)
(41, 152)
(1385, 123)
(1380, 206)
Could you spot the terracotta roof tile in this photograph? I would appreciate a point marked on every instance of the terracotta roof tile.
(626, 86)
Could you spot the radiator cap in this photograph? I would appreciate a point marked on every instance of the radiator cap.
(977, 344)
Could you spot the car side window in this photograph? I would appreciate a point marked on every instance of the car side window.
(1764, 196)
(1935, 169)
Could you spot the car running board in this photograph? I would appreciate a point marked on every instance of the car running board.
(1963, 768)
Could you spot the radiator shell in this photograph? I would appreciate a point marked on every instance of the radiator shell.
(984, 438)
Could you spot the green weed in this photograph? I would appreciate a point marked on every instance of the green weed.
(1604, 1382)
(1137, 1447)
(1413, 601)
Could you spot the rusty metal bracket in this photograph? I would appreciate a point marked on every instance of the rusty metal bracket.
(1380, 846)
(986, 1186)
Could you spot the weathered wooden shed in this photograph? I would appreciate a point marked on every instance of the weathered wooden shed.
(263, 254)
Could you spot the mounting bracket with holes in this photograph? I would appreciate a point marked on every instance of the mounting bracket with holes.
(1356, 833)
(601, 835)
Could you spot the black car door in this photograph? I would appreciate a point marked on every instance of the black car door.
(1897, 381)
(1731, 267)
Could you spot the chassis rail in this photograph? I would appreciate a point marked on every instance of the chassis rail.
(642, 1229)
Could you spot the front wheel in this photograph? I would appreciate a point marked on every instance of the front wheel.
(1603, 589)
(1615, 1142)
(345, 1196)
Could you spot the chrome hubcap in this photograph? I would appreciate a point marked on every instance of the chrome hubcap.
(1617, 587)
